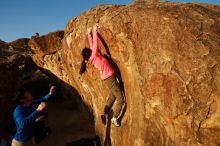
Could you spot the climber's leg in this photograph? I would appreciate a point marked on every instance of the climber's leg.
(117, 95)
(119, 104)
(109, 103)
(111, 99)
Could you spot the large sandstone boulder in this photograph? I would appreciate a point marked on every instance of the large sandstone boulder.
(169, 58)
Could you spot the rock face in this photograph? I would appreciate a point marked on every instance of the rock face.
(14, 60)
(16, 47)
(47, 44)
(20, 43)
(2, 42)
(45, 54)
(169, 58)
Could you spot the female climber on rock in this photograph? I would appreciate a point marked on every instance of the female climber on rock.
(107, 74)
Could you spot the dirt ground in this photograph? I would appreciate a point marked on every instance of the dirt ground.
(67, 124)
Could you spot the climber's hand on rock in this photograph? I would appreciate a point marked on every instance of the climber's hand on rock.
(89, 30)
(42, 106)
(52, 89)
(95, 27)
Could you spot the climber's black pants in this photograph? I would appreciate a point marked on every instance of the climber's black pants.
(116, 95)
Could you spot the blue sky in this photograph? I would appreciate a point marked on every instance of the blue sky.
(23, 18)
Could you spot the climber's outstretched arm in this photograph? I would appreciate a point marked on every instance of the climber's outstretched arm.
(90, 38)
(95, 41)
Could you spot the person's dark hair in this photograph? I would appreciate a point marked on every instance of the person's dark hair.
(52, 83)
(86, 53)
(20, 95)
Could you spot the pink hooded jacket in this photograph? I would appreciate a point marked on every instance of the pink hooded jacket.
(98, 60)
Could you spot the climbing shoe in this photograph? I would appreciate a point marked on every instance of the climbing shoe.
(115, 122)
(103, 117)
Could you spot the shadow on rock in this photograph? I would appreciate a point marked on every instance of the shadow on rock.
(108, 141)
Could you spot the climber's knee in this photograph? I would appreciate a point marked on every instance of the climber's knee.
(117, 108)
(111, 100)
